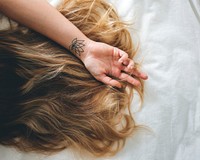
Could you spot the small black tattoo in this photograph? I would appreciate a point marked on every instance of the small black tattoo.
(77, 46)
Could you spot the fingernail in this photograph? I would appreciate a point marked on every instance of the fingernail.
(131, 67)
(145, 76)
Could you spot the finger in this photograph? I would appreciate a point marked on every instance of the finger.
(129, 79)
(130, 67)
(109, 81)
(116, 53)
(134, 71)
(131, 64)
(144, 76)
(125, 62)
(139, 74)
(123, 57)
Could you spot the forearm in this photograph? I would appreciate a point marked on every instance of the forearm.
(40, 16)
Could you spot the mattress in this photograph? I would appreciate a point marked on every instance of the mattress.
(168, 32)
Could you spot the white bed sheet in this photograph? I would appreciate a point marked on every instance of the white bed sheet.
(169, 32)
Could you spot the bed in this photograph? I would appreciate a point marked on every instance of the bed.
(169, 35)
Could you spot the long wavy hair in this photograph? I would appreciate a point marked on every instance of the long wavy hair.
(48, 99)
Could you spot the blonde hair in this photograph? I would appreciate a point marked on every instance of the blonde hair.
(49, 101)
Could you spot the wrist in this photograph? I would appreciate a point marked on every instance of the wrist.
(80, 47)
(87, 48)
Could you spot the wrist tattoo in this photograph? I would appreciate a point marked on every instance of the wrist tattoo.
(77, 46)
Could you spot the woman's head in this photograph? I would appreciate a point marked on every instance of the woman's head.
(49, 101)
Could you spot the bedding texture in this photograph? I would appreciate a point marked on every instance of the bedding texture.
(169, 40)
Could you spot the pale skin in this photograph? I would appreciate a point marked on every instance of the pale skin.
(102, 61)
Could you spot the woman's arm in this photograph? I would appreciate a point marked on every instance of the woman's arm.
(40, 16)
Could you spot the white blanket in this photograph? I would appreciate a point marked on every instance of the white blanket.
(169, 32)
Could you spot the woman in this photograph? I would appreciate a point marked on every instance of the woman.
(49, 101)
(40, 16)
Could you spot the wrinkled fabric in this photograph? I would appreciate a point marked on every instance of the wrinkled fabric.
(169, 39)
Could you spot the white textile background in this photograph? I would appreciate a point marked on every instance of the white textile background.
(169, 32)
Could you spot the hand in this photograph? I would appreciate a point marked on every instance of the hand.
(103, 61)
